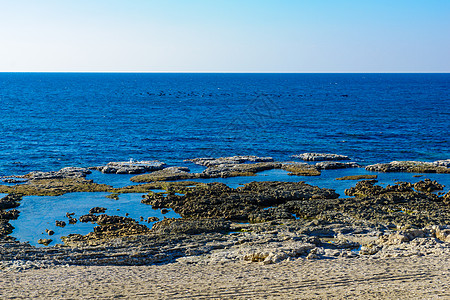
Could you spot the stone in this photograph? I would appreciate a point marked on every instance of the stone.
(131, 167)
(97, 210)
(49, 231)
(67, 172)
(428, 186)
(300, 169)
(60, 223)
(357, 177)
(10, 201)
(45, 242)
(411, 167)
(320, 156)
(209, 161)
(331, 165)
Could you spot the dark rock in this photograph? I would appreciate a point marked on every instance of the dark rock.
(60, 223)
(97, 210)
(88, 218)
(45, 242)
(12, 214)
(216, 200)
(10, 201)
(49, 231)
(357, 177)
(428, 186)
(152, 219)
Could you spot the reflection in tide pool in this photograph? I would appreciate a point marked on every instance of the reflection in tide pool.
(38, 213)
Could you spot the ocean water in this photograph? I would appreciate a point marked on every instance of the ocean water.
(53, 120)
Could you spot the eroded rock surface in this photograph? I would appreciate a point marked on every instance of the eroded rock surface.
(320, 156)
(440, 166)
(131, 167)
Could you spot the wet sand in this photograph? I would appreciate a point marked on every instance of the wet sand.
(416, 277)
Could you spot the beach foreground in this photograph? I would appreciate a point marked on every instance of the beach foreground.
(418, 277)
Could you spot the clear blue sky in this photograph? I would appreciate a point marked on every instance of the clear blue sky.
(225, 35)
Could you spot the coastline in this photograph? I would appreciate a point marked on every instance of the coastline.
(264, 239)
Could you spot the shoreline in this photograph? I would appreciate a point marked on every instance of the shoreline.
(261, 231)
(393, 278)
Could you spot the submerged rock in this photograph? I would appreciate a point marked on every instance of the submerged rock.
(331, 165)
(357, 177)
(300, 169)
(166, 174)
(320, 156)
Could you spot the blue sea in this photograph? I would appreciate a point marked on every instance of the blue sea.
(53, 120)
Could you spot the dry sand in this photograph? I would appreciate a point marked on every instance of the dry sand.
(425, 277)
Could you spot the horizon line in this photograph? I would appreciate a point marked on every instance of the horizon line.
(232, 72)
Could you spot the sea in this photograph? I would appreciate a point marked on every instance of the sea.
(53, 120)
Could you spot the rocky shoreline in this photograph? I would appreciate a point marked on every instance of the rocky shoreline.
(266, 222)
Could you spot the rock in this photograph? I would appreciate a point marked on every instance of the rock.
(300, 169)
(237, 169)
(61, 174)
(10, 201)
(45, 242)
(60, 223)
(131, 167)
(152, 219)
(68, 215)
(209, 162)
(12, 214)
(164, 211)
(411, 167)
(442, 233)
(49, 231)
(88, 218)
(357, 177)
(166, 174)
(97, 210)
(428, 186)
(72, 220)
(331, 165)
(320, 156)
(216, 200)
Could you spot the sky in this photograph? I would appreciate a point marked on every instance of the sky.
(304, 36)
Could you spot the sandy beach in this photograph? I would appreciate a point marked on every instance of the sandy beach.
(424, 277)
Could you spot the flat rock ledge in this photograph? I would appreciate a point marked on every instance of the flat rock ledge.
(210, 161)
(320, 156)
(131, 167)
(439, 166)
